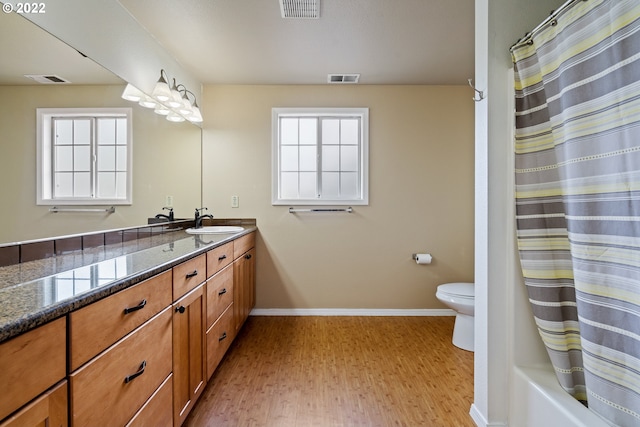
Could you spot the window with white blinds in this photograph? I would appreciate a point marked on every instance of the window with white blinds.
(320, 156)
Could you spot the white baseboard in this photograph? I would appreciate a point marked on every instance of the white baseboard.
(480, 420)
(350, 312)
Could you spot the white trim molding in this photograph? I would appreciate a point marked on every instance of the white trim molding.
(350, 312)
(479, 419)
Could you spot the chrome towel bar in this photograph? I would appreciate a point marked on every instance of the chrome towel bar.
(56, 209)
(297, 210)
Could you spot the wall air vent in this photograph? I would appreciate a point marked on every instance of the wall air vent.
(47, 78)
(300, 9)
(343, 78)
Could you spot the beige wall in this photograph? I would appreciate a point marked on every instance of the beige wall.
(421, 196)
(166, 160)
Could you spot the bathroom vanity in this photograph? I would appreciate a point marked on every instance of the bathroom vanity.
(130, 336)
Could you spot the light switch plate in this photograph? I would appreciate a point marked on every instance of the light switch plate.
(235, 201)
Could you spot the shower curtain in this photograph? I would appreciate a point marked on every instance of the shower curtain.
(577, 154)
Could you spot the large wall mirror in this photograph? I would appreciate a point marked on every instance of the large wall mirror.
(166, 155)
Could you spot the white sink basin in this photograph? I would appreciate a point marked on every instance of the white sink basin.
(215, 229)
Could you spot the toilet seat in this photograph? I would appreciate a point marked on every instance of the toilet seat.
(461, 290)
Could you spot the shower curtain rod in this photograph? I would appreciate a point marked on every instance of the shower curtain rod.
(546, 22)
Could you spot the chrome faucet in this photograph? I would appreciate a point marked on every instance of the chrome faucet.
(199, 217)
(168, 217)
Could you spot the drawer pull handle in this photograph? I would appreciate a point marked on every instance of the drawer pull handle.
(247, 256)
(222, 292)
(132, 377)
(136, 308)
(180, 309)
(223, 336)
(194, 273)
(220, 258)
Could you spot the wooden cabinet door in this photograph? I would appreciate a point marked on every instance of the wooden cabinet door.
(244, 287)
(238, 292)
(189, 377)
(250, 281)
(49, 410)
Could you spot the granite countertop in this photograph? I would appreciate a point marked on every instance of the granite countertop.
(36, 292)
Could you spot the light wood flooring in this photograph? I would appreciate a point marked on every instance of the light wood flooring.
(340, 371)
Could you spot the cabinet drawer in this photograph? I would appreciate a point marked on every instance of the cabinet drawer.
(157, 410)
(219, 294)
(97, 326)
(106, 391)
(49, 410)
(219, 338)
(243, 244)
(219, 258)
(188, 275)
(31, 363)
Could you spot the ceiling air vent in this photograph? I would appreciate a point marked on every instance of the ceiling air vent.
(343, 78)
(300, 9)
(47, 78)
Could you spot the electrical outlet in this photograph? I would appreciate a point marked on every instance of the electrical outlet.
(168, 201)
(235, 201)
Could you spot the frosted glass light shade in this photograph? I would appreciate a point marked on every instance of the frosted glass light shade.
(131, 93)
(173, 117)
(162, 110)
(161, 91)
(196, 115)
(176, 98)
(175, 101)
(185, 108)
(148, 102)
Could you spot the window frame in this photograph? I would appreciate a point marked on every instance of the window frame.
(44, 118)
(363, 144)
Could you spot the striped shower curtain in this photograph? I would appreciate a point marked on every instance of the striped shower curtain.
(578, 198)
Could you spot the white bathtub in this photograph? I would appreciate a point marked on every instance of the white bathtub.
(538, 400)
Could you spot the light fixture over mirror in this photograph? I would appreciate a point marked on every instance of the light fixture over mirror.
(172, 102)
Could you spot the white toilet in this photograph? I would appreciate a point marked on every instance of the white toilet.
(461, 298)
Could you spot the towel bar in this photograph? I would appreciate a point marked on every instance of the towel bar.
(296, 210)
(56, 209)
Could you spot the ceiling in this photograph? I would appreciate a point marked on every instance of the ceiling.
(248, 42)
(32, 50)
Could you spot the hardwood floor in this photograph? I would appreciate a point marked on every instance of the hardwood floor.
(340, 371)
